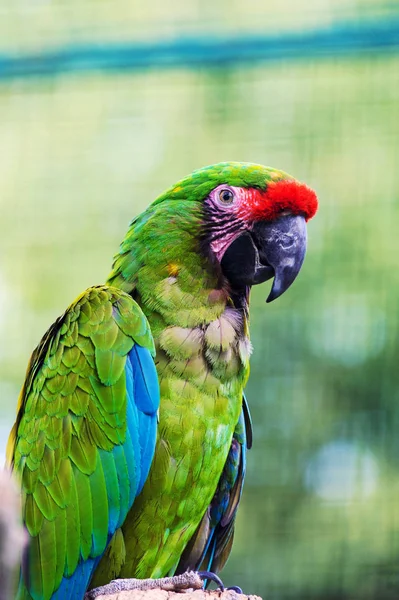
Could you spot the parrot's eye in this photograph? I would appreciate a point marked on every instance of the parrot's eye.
(226, 196)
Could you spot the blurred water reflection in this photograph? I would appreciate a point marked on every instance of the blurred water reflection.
(80, 156)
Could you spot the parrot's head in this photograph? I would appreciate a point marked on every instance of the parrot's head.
(253, 221)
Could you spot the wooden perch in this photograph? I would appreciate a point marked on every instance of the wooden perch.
(157, 594)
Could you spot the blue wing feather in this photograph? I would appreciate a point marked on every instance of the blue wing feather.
(72, 587)
(147, 389)
(143, 381)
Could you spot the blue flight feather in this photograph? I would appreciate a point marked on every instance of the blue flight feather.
(145, 380)
(140, 366)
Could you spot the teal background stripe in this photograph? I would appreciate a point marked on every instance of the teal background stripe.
(339, 40)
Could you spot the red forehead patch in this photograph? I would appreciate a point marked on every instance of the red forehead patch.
(279, 196)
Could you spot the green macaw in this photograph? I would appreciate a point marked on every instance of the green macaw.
(132, 426)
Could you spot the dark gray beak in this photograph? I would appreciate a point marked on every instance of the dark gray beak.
(281, 245)
(272, 249)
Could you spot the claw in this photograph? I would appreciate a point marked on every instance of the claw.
(235, 588)
(213, 577)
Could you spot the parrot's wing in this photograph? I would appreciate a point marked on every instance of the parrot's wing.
(210, 546)
(84, 438)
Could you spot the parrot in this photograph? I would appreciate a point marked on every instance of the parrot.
(132, 425)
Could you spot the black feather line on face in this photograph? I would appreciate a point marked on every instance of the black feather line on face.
(215, 225)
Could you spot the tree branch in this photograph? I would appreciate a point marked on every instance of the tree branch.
(157, 594)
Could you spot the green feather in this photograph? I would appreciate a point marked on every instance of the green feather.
(100, 508)
(29, 479)
(111, 482)
(84, 494)
(44, 501)
(110, 366)
(34, 576)
(47, 467)
(105, 339)
(33, 516)
(111, 397)
(72, 519)
(79, 401)
(70, 356)
(60, 527)
(83, 453)
(48, 556)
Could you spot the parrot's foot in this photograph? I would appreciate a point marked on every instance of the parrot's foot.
(215, 578)
(189, 579)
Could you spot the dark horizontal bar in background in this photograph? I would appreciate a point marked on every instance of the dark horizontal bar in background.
(340, 40)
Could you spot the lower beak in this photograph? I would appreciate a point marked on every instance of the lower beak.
(281, 246)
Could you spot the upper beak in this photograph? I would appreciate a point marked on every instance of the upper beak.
(281, 245)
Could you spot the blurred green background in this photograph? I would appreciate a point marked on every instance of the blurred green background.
(82, 153)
